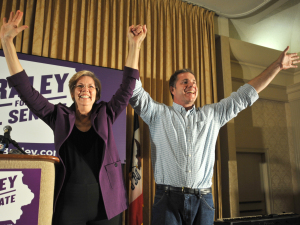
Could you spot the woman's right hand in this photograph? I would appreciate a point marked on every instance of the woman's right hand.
(8, 31)
(11, 28)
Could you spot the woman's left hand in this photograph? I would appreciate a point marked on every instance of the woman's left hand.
(137, 34)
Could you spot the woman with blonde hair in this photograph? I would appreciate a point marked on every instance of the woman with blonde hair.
(89, 186)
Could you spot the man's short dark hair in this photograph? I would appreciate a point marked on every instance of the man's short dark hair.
(173, 78)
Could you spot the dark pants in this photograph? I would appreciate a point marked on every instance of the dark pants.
(81, 204)
(176, 208)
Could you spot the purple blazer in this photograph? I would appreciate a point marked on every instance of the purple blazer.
(61, 120)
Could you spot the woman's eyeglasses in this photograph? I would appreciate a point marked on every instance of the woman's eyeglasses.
(81, 86)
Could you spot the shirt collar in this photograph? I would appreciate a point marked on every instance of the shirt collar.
(182, 110)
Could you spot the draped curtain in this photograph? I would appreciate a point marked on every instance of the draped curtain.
(180, 35)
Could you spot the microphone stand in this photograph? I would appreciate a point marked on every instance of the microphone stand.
(17, 146)
(9, 140)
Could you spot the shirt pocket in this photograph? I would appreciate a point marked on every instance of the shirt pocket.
(201, 121)
(200, 127)
(114, 174)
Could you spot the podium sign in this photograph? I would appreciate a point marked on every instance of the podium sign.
(19, 196)
(26, 189)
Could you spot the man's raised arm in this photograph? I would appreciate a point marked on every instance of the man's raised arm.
(285, 61)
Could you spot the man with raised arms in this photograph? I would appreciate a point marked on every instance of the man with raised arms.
(183, 140)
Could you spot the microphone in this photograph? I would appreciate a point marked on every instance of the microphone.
(3, 144)
(7, 130)
(4, 140)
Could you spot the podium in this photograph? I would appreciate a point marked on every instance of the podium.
(27, 189)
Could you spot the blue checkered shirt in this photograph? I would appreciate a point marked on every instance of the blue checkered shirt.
(183, 142)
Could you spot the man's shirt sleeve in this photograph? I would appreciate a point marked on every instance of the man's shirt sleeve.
(143, 104)
(229, 107)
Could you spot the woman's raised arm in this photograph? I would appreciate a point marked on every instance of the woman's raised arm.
(136, 36)
(9, 30)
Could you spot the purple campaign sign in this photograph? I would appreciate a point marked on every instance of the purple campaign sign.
(29, 131)
(19, 196)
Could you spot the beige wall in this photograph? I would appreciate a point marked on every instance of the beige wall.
(271, 125)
